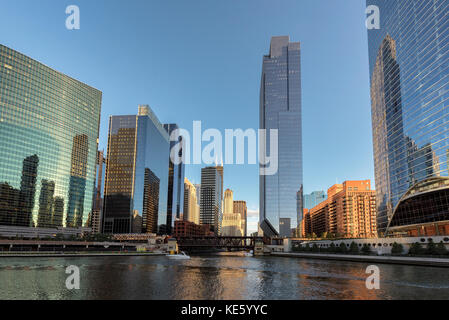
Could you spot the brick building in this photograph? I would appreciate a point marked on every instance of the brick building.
(349, 211)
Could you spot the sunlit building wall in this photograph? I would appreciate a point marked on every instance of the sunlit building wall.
(49, 127)
(349, 211)
(191, 211)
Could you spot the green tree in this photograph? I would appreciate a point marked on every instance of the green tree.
(441, 249)
(307, 248)
(397, 249)
(354, 248)
(342, 248)
(431, 248)
(332, 248)
(315, 248)
(366, 249)
(415, 249)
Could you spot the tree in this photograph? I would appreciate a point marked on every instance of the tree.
(315, 248)
(431, 248)
(397, 249)
(441, 249)
(342, 248)
(307, 248)
(366, 249)
(415, 249)
(354, 248)
(332, 248)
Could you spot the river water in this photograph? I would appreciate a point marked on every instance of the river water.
(215, 277)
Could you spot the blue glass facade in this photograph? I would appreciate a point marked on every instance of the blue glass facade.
(136, 174)
(313, 199)
(280, 108)
(49, 126)
(409, 68)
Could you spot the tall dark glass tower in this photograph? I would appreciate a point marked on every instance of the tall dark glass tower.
(49, 126)
(409, 68)
(211, 203)
(175, 196)
(280, 109)
(136, 183)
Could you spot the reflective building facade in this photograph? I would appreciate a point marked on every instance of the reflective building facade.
(313, 199)
(136, 182)
(49, 126)
(211, 203)
(176, 173)
(409, 68)
(280, 108)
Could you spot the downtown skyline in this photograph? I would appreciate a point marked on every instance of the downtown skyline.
(209, 95)
(225, 151)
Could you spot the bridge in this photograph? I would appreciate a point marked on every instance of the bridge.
(208, 242)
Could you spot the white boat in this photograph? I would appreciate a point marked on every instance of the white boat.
(180, 256)
(249, 254)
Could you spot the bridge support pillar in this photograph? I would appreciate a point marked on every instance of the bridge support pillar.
(258, 248)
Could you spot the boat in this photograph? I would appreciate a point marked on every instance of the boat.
(249, 254)
(180, 256)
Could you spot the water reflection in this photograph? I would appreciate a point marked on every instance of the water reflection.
(215, 277)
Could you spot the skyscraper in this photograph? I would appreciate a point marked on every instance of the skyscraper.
(408, 59)
(136, 174)
(191, 211)
(97, 208)
(175, 183)
(349, 211)
(77, 184)
(211, 198)
(228, 201)
(232, 222)
(280, 109)
(49, 126)
(314, 198)
(240, 207)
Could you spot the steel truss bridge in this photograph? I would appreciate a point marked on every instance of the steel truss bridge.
(204, 242)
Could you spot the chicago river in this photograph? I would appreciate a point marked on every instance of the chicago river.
(214, 277)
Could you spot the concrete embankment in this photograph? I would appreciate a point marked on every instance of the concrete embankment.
(80, 254)
(417, 261)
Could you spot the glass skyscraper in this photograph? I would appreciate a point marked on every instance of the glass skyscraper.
(136, 184)
(175, 197)
(211, 203)
(49, 126)
(313, 199)
(409, 68)
(280, 108)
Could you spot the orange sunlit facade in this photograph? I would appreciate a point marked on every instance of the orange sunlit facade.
(349, 211)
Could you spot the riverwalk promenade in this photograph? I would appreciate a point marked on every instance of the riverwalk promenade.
(417, 261)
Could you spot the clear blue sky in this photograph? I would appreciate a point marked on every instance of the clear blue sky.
(201, 60)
